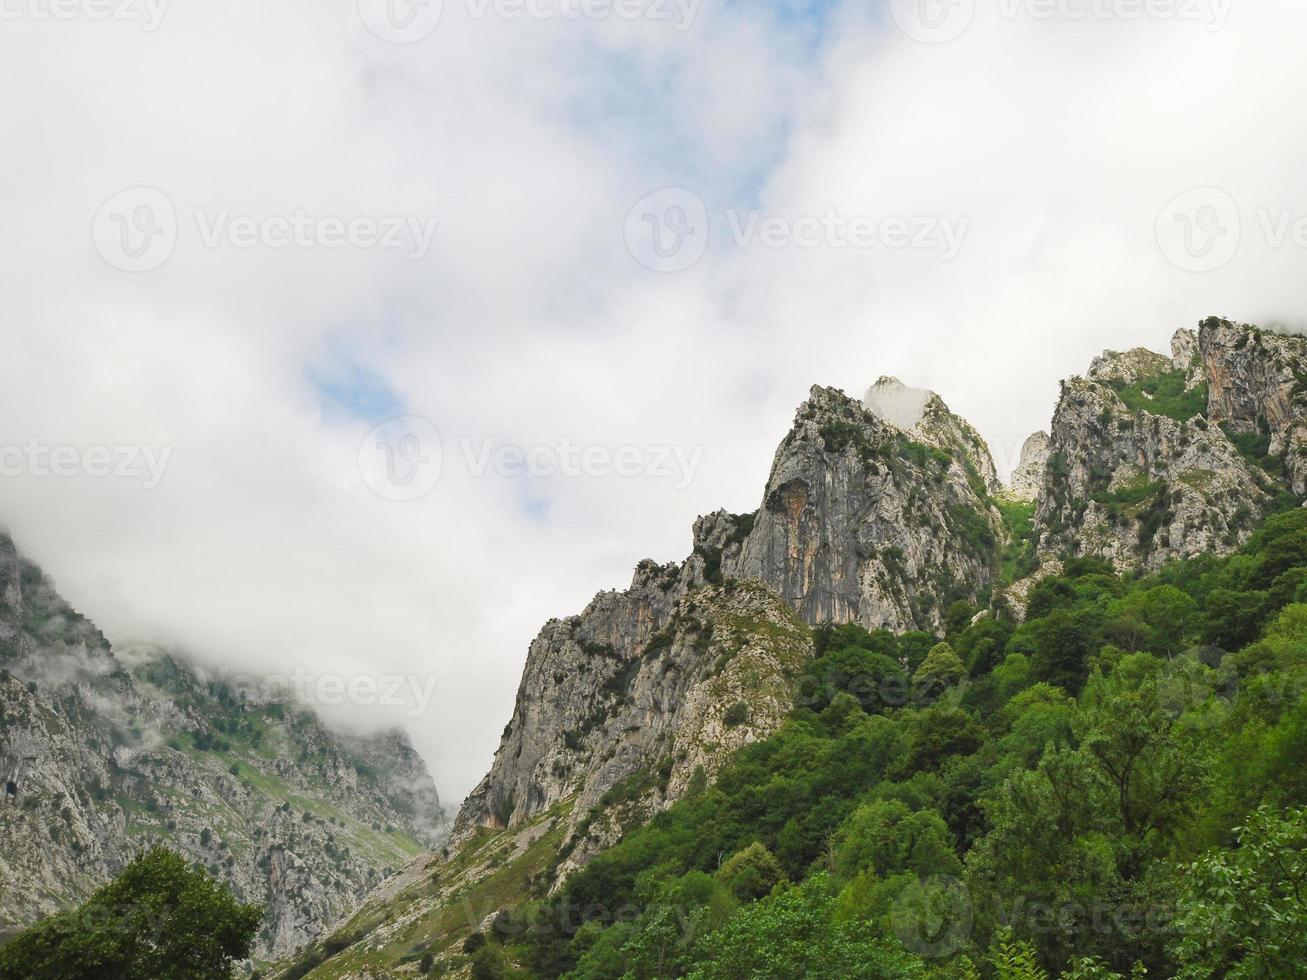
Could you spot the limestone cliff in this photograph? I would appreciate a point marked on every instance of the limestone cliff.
(1028, 477)
(1154, 458)
(621, 707)
(861, 522)
(1257, 389)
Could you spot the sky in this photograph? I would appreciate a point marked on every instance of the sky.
(351, 341)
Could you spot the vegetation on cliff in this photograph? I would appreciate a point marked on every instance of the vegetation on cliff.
(1116, 785)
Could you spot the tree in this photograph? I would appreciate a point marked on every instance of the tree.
(751, 873)
(795, 934)
(982, 645)
(1157, 620)
(887, 837)
(939, 670)
(159, 918)
(1059, 645)
(1243, 913)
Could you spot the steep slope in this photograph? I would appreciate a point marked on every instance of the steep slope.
(1257, 389)
(107, 755)
(849, 531)
(629, 706)
(640, 694)
(1153, 458)
(861, 522)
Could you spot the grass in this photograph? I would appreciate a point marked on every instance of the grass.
(1255, 447)
(1131, 494)
(1163, 394)
(1018, 558)
(436, 913)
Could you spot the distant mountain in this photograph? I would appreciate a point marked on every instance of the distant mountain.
(105, 753)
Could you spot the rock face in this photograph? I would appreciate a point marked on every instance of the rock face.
(1028, 477)
(621, 706)
(1154, 458)
(1257, 386)
(110, 753)
(860, 522)
(1127, 367)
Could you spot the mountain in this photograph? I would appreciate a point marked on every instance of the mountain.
(673, 705)
(1154, 458)
(109, 752)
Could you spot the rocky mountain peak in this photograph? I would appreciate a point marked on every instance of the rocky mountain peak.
(1153, 457)
(1128, 367)
(1257, 388)
(1026, 479)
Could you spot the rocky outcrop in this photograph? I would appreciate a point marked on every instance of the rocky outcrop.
(1186, 356)
(862, 523)
(1127, 367)
(110, 753)
(1140, 489)
(1257, 387)
(923, 415)
(1028, 477)
(1155, 458)
(621, 707)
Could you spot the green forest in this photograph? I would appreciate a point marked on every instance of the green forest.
(1114, 787)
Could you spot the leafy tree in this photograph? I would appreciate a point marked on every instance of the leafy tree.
(982, 645)
(795, 934)
(159, 918)
(887, 837)
(751, 873)
(1242, 912)
(1060, 645)
(1156, 619)
(940, 669)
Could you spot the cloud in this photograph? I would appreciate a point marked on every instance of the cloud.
(1059, 144)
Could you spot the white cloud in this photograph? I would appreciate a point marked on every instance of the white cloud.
(1059, 142)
